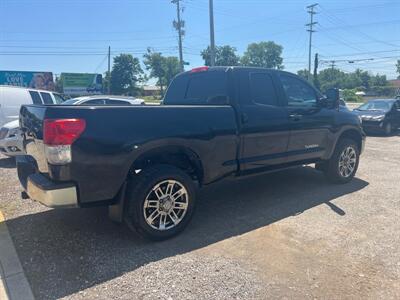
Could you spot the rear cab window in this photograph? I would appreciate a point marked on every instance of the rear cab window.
(262, 89)
(201, 88)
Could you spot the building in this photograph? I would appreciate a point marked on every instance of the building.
(151, 90)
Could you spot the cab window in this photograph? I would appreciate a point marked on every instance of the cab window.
(262, 89)
(298, 92)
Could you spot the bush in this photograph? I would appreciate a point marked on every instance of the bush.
(350, 96)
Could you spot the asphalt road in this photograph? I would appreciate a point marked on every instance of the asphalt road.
(284, 235)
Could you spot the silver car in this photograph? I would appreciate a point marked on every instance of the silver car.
(104, 100)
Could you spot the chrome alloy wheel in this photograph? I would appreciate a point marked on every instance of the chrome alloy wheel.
(347, 161)
(166, 205)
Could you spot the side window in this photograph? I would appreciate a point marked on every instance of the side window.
(47, 98)
(397, 105)
(35, 97)
(94, 102)
(262, 89)
(59, 99)
(117, 102)
(206, 86)
(298, 93)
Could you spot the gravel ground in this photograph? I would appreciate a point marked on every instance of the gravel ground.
(284, 235)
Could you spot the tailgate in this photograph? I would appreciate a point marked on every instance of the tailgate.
(31, 123)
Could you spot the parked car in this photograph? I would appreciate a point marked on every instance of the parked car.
(104, 100)
(145, 162)
(380, 115)
(343, 104)
(12, 97)
(11, 139)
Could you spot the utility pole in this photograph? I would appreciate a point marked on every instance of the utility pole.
(310, 30)
(109, 71)
(333, 65)
(178, 27)
(315, 75)
(212, 38)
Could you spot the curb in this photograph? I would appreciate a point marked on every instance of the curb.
(13, 283)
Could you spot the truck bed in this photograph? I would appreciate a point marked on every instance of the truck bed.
(116, 136)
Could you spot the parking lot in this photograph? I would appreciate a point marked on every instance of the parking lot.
(284, 235)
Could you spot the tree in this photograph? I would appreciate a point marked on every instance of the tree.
(171, 68)
(398, 68)
(106, 82)
(161, 67)
(224, 56)
(154, 62)
(126, 73)
(303, 73)
(59, 87)
(263, 54)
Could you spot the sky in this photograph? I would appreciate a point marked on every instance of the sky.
(74, 35)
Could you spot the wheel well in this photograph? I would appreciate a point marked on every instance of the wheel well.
(354, 135)
(180, 157)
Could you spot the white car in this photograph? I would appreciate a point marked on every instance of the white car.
(104, 100)
(11, 99)
(11, 139)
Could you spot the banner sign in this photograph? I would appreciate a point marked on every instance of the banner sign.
(36, 80)
(81, 84)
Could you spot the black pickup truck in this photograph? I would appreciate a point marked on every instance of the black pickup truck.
(146, 162)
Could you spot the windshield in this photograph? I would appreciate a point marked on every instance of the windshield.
(70, 101)
(376, 105)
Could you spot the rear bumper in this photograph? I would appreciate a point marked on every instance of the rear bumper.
(42, 189)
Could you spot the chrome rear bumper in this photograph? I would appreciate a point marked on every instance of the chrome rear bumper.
(42, 189)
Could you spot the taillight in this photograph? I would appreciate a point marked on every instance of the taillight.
(58, 136)
(62, 131)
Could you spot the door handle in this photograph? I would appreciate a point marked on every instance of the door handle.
(295, 117)
(245, 118)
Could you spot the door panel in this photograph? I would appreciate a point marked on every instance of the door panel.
(264, 123)
(310, 124)
(265, 136)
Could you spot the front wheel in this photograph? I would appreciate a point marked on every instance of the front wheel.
(343, 164)
(388, 128)
(160, 202)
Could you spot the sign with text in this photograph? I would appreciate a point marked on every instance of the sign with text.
(31, 79)
(81, 84)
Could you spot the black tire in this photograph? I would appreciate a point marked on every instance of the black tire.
(141, 186)
(388, 129)
(332, 169)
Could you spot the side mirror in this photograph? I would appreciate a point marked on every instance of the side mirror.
(218, 100)
(332, 98)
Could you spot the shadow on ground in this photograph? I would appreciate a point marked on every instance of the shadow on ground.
(8, 162)
(66, 251)
(383, 135)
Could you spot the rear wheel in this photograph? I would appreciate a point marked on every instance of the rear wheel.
(160, 201)
(343, 164)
